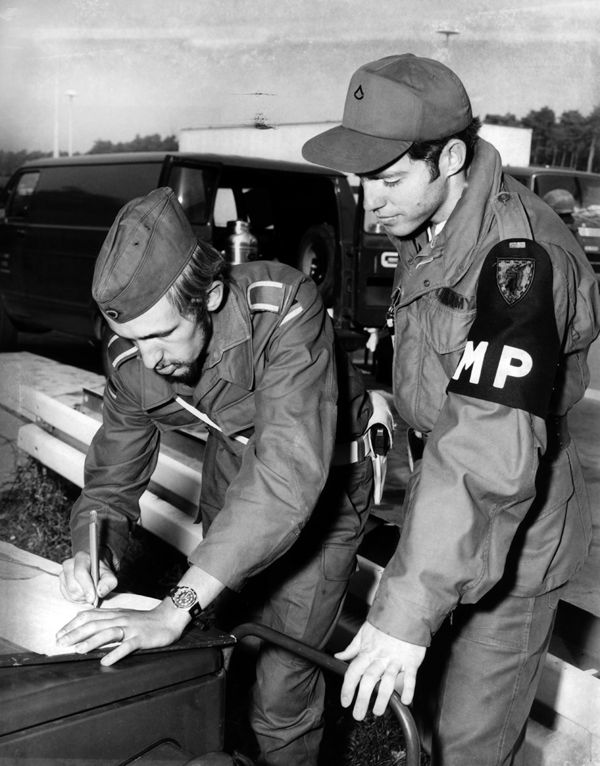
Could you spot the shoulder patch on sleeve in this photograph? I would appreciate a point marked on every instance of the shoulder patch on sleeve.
(513, 348)
(119, 350)
(265, 296)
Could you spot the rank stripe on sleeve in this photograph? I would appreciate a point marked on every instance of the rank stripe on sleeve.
(265, 296)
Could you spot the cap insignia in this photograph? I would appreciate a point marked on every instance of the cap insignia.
(359, 93)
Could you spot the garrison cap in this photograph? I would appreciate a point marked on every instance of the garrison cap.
(149, 244)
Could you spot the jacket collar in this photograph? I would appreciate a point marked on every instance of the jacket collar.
(231, 329)
(445, 260)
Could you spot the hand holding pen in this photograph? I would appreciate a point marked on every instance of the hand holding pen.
(86, 578)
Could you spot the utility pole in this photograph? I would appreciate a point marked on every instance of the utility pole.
(70, 95)
(55, 149)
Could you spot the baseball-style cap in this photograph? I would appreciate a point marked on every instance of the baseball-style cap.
(391, 103)
(149, 244)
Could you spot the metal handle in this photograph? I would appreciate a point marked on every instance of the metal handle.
(402, 713)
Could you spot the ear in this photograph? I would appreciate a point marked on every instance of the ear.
(453, 157)
(214, 298)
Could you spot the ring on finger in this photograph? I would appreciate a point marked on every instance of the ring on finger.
(122, 638)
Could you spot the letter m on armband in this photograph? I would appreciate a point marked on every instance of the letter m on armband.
(513, 348)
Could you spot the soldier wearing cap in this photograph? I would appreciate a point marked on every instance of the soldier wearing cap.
(286, 483)
(493, 309)
(563, 204)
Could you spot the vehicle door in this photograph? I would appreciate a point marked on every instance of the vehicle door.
(14, 229)
(71, 212)
(376, 263)
(586, 215)
(195, 185)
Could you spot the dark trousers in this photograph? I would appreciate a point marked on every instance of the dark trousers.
(301, 594)
(480, 678)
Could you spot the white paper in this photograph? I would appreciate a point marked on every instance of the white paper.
(32, 609)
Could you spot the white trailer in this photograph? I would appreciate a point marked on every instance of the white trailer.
(285, 141)
(514, 144)
(277, 142)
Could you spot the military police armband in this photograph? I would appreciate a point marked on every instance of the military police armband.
(513, 347)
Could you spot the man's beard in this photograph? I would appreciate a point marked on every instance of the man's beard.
(190, 375)
(190, 372)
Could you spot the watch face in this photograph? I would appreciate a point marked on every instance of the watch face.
(184, 597)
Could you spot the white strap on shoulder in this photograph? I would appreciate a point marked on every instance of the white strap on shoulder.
(205, 419)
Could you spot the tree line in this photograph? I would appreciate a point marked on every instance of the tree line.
(569, 141)
(10, 161)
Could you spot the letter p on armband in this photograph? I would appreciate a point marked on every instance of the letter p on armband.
(514, 363)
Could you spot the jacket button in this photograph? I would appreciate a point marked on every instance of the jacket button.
(503, 197)
(426, 283)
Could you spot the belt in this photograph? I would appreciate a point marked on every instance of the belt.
(352, 452)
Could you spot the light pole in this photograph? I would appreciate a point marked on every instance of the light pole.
(71, 95)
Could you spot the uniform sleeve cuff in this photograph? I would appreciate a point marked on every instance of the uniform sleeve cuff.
(401, 618)
(112, 547)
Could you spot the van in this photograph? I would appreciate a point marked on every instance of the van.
(55, 214)
(585, 188)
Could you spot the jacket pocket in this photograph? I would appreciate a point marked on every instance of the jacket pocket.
(445, 325)
(338, 561)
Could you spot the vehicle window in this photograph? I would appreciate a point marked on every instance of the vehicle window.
(590, 192)
(587, 214)
(193, 187)
(225, 208)
(21, 198)
(82, 195)
(545, 182)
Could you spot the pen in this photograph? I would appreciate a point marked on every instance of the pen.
(94, 566)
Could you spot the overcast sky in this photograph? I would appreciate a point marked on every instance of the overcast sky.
(156, 66)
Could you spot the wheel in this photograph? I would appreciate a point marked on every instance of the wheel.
(316, 258)
(8, 332)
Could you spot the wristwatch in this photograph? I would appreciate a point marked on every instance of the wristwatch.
(185, 597)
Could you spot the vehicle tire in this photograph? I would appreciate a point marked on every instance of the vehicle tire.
(316, 258)
(8, 332)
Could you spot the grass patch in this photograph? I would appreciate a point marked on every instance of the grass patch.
(34, 512)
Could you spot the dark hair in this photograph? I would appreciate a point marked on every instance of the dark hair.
(430, 150)
(189, 291)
